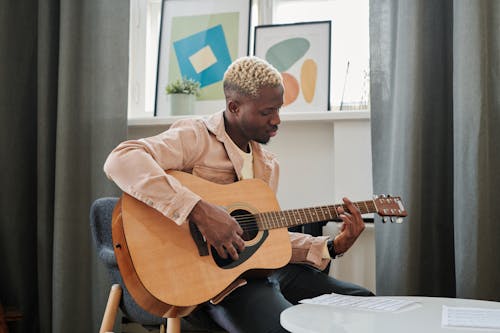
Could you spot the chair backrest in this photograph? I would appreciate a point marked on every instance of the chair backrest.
(101, 213)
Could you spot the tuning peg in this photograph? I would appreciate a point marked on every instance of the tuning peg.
(399, 220)
(385, 219)
(393, 219)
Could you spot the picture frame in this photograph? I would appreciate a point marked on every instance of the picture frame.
(199, 39)
(301, 53)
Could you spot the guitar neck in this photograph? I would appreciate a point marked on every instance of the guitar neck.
(296, 217)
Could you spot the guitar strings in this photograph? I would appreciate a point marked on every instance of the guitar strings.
(249, 222)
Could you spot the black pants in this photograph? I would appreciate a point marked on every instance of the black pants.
(256, 307)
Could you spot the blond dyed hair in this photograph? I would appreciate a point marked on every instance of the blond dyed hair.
(247, 75)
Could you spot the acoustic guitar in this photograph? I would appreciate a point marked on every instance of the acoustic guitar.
(169, 269)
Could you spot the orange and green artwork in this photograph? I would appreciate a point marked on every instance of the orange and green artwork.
(284, 55)
(301, 55)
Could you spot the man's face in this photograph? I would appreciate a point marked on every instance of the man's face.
(258, 118)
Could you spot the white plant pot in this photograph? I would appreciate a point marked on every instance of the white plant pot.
(181, 104)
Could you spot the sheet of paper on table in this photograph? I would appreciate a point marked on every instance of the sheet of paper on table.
(470, 317)
(375, 303)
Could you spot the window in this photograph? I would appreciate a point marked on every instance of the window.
(145, 16)
(349, 55)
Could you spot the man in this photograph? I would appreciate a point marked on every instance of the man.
(224, 148)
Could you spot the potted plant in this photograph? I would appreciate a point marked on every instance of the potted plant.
(182, 93)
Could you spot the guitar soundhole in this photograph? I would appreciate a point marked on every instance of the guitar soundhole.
(247, 222)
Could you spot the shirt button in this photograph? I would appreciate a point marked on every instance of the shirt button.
(150, 202)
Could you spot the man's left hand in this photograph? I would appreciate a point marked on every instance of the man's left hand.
(352, 226)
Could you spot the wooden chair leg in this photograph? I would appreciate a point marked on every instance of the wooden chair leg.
(174, 325)
(108, 320)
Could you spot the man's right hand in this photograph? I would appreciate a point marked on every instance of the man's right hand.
(219, 229)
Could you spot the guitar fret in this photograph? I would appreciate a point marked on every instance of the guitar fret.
(271, 219)
(317, 212)
(288, 218)
(312, 215)
(280, 220)
(360, 208)
(366, 206)
(370, 206)
(307, 215)
(286, 214)
(265, 218)
(262, 221)
(335, 213)
(274, 220)
(294, 214)
(265, 221)
(283, 220)
(326, 213)
(303, 216)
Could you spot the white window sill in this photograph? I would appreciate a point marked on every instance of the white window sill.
(285, 117)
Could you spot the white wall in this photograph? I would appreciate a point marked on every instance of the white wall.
(321, 162)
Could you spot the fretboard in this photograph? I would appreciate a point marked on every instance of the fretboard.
(295, 217)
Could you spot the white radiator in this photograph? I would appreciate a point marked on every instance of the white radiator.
(358, 263)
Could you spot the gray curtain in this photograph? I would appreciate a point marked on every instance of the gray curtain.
(63, 102)
(435, 105)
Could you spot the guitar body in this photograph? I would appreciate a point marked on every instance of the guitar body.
(160, 262)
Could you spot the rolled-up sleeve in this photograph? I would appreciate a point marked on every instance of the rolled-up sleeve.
(138, 168)
(309, 250)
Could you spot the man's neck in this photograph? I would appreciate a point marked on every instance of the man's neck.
(232, 132)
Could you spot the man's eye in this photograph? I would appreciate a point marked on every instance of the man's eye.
(269, 112)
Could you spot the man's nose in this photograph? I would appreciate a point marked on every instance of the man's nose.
(276, 120)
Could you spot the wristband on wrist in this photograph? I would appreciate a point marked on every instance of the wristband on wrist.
(331, 250)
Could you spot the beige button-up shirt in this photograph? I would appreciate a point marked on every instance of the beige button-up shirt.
(203, 148)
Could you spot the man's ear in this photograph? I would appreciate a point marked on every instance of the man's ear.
(233, 106)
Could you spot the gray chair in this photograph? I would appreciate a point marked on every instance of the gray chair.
(100, 223)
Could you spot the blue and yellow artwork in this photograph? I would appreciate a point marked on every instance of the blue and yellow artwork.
(203, 56)
(203, 47)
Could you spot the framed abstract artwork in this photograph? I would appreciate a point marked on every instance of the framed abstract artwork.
(199, 39)
(301, 53)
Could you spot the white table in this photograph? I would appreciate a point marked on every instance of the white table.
(423, 317)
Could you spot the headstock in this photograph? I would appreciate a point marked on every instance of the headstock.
(390, 207)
